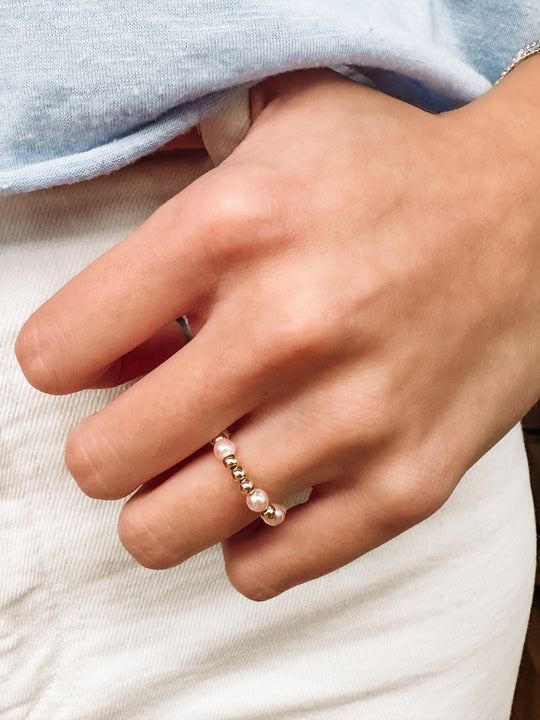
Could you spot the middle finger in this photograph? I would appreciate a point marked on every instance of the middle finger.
(173, 411)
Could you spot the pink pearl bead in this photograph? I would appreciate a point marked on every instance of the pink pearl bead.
(278, 517)
(257, 501)
(224, 448)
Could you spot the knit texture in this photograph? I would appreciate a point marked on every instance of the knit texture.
(87, 88)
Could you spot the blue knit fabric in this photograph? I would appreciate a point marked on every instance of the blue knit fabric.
(88, 87)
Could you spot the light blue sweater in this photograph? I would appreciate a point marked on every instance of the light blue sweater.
(88, 87)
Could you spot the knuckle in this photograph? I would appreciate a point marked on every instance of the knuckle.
(35, 352)
(301, 334)
(298, 336)
(84, 453)
(243, 202)
(409, 500)
(404, 504)
(233, 207)
(140, 541)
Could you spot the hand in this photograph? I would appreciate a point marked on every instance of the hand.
(362, 280)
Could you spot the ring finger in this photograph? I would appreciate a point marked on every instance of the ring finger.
(200, 503)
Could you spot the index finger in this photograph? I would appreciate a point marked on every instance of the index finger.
(165, 269)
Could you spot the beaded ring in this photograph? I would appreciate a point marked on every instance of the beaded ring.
(256, 498)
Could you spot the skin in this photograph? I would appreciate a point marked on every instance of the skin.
(362, 280)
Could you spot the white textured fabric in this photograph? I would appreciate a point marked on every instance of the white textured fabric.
(428, 627)
(224, 129)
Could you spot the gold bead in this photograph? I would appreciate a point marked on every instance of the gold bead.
(230, 462)
(268, 513)
(246, 487)
(239, 474)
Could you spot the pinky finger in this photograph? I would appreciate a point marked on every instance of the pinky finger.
(333, 528)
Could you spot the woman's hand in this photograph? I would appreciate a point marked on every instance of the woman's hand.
(362, 280)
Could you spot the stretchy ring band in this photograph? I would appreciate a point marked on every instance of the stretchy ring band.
(256, 499)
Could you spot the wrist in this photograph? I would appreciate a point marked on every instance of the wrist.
(513, 107)
(501, 134)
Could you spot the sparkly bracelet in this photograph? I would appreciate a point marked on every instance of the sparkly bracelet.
(523, 54)
(256, 498)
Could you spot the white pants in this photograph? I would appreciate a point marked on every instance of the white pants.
(429, 626)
